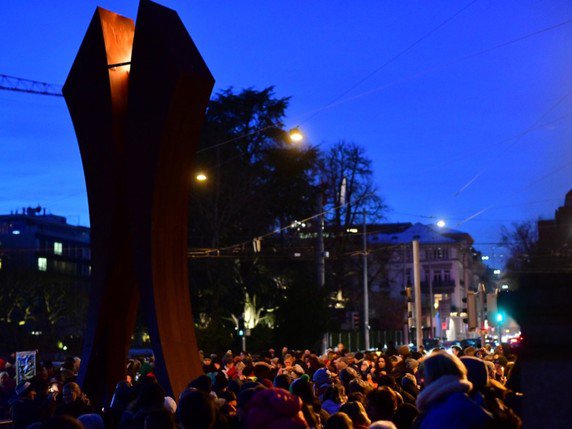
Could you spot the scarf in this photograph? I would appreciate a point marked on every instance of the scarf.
(440, 389)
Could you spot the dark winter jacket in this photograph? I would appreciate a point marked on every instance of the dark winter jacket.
(25, 412)
(75, 409)
(445, 404)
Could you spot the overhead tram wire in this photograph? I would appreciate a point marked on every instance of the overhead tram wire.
(440, 67)
(290, 226)
(514, 140)
(528, 185)
(413, 76)
(444, 65)
(388, 62)
(391, 60)
(455, 160)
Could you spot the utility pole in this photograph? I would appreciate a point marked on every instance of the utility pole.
(365, 285)
(320, 257)
(417, 291)
(429, 255)
(483, 312)
(407, 330)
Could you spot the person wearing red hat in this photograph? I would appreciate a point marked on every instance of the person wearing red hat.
(276, 409)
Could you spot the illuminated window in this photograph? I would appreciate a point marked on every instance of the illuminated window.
(42, 264)
(58, 248)
(0, 263)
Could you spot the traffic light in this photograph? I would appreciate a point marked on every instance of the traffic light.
(355, 320)
(471, 320)
(491, 306)
(241, 327)
(499, 318)
(408, 293)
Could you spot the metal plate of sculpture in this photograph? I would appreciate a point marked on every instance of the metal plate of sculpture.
(137, 95)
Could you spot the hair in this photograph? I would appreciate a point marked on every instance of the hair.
(357, 397)
(74, 387)
(469, 351)
(404, 416)
(334, 394)
(196, 410)
(356, 412)
(151, 395)
(310, 415)
(160, 419)
(283, 381)
(339, 421)
(441, 363)
(382, 403)
(304, 390)
(386, 380)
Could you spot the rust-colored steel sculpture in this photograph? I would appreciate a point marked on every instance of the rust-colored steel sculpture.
(137, 95)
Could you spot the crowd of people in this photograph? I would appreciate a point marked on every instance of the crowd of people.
(394, 388)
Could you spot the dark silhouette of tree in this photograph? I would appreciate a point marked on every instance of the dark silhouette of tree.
(257, 182)
(521, 240)
(346, 177)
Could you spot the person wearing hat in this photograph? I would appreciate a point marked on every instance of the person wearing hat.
(444, 401)
(25, 410)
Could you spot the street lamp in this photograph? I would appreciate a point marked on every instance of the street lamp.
(441, 223)
(201, 177)
(296, 135)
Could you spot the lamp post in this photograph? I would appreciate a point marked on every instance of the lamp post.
(365, 285)
(417, 291)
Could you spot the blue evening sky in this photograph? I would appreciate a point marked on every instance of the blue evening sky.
(431, 120)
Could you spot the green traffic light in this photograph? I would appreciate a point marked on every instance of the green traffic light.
(500, 317)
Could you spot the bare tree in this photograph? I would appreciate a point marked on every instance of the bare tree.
(521, 240)
(347, 178)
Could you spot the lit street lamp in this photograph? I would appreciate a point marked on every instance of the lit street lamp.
(295, 135)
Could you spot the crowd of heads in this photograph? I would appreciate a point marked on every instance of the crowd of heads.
(393, 388)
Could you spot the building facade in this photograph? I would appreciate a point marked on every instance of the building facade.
(34, 240)
(450, 268)
(554, 250)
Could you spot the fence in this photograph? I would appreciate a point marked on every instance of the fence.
(354, 340)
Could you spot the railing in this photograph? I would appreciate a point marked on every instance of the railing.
(354, 340)
(439, 286)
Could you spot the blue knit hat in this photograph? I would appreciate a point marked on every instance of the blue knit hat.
(321, 377)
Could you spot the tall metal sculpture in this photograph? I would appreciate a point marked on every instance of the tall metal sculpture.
(137, 95)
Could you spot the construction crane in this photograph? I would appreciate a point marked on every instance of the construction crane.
(11, 83)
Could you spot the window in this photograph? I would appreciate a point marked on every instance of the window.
(0, 263)
(437, 276)
(58, 248)
(42, 264)
(65, 267)
(447, 275)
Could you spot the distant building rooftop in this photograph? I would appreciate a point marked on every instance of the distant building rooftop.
(425, 234)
